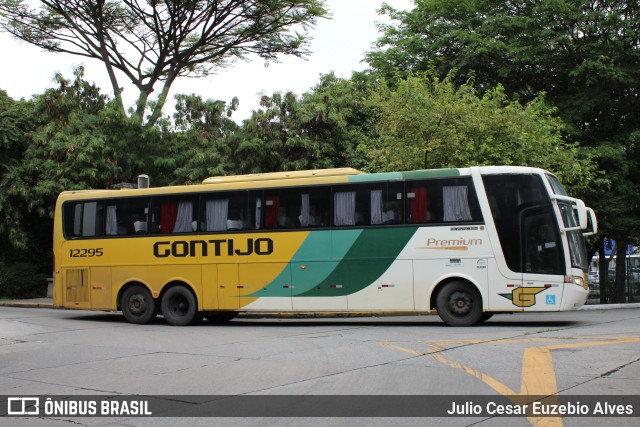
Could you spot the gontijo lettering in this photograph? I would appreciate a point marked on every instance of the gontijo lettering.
(215, 247)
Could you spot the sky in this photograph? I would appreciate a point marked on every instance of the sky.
(339, 45)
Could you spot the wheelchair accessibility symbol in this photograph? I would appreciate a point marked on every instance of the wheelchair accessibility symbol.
(551, 300)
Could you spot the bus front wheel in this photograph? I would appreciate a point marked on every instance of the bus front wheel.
(138, 305)
(179, 306)
(459, 304)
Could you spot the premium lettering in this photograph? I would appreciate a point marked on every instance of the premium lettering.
(216, 247)
(432, 242)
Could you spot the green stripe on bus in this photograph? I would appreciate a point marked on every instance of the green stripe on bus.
(330, 247)
(367, 259)
(435, 173)
(398, 176)
(376, 177)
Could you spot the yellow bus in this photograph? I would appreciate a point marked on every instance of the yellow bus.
(466, 243)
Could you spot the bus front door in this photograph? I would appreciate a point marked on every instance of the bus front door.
(543, 261)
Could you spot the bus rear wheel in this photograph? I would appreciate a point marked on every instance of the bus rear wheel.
(179, 306)
(459, 304)
(138, 305)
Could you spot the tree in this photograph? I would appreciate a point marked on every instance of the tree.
(71, 147)
(320, 129)
(16, 121)
(199, 146)
(428, 123)
(584, 55)
(154, 42)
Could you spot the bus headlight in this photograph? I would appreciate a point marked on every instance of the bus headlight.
(577, 280)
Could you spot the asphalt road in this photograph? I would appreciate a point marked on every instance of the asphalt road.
(56, 352)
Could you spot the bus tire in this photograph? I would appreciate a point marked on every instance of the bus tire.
(179, 306)
(459, 304)
(220, 316)
(138, 305)
(485, 316)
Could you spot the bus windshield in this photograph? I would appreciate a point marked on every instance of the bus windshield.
(577, 247)
(556, 185)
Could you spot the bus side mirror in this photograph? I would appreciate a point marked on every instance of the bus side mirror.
(594, 223)
(582, 214)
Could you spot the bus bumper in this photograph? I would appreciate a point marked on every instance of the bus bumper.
(575, 296)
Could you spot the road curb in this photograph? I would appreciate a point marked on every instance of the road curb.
(48, 303)
(26, 304)
(609, 306)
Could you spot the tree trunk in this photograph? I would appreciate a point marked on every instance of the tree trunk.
(621, 271)
(603, 267)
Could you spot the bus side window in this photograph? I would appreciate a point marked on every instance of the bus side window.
(385, 204)
(392, 205)
(83, 219)
(127, 216)
(296, 208)
(441, 200)
(173, 215)
(231, 211)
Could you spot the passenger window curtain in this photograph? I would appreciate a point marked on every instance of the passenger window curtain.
(89, 219)
(271, 211)
(168, 213)
(77, 219)
(304, 211)
(184, 218)
(216, 213)
(376, 207)
(111, 221)
(456, 203)
(419, 205)
(258, 213)
(345, 208)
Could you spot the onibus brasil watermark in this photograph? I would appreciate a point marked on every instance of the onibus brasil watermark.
(77, 407)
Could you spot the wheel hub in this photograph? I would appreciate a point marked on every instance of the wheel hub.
(137, 304)
(460, 303)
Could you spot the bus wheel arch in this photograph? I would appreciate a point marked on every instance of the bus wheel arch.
(137, 303)
(179, 304)
(458, 302)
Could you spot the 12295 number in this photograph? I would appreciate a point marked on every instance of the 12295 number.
(85, 253)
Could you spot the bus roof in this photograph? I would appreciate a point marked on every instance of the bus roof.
(272, 176)
(294, 179)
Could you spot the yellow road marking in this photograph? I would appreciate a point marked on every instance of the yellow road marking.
(538, 377)
(406, 350)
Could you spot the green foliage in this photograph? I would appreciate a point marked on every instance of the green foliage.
(199, 146)
(16, 120)
(69, 148)
(582, 54)
(320, 129)
(22, 280)
(154, 43)
(428, 123)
